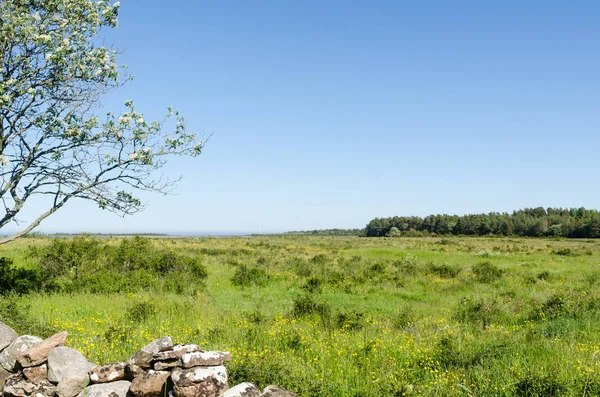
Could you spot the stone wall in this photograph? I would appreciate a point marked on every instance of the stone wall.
(30, 366)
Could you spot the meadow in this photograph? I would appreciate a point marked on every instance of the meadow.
(337, 316)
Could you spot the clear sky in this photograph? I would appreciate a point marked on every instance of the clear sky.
(330, 113)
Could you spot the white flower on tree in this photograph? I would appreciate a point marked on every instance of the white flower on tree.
(52, 142)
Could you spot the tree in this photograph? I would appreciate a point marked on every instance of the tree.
(53, 143)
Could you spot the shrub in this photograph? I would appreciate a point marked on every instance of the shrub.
(313, 285)
(306, 305)
(486, 272)
(249, 276)
(140, 311)
(544, 275)
(256, 316)
(477, 311)
(320, 259)
(565, 252)
(533, 385)
(442, 270)
(394, 232)
(87, 264)
(403, 317)
(407, 265)
(18, 280)
(350, 320)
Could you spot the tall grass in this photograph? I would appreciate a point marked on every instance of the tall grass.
(346, 316)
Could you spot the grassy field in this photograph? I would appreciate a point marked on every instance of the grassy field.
(348, 316)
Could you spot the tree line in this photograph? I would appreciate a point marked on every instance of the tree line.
(530, 222)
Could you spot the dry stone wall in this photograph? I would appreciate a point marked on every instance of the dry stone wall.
(30, 366)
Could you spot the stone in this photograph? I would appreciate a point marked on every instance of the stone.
(245, 389)
(4, 374)
(18, 386)
(150, 384)
(119, 388)
(35, 374)
(69, 368)
(205, 359)
(144, 357)
(175, 352)
(8, 356)
(276, 391)
(38, 354)
(7, 336)
(162, 365)
(110, 373)
(134, 369)
(199, 381)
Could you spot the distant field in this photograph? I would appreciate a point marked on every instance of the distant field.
(349, 316)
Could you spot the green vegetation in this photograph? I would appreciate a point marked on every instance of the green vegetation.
(529, 222)
(329, 316)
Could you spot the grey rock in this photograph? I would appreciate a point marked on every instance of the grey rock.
(144, 357)
(18, 386)
(4, 374)
(199, 381)
(163, 365)
(276, 391)
(245, 389)
(203, 358)
(38, 354)
(113, 389)
(7, 336)
(69, 368)
(8, 356)
(35, 374)
(175, 352)
(110, 373)
(150, 384)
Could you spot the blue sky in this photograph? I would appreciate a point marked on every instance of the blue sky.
(330, 113)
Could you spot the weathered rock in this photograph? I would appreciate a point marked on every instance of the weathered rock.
(144, 357)
(69, 368)
(276, 391)
(113, 389)
(199, 381)
(204, 359)
(38, 354)
(110, 373)
(175, 352)
(8, 356)
(134, 369)
(70, 387)
(35, 374)
(7, 336)
(163, 365)
(245, 389)
(4, 374)
(150, 384)
(18, 386)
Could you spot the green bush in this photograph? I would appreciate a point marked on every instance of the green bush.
(476, 311)
(140, 311)
(313, 285)
(486, 272)
(442, 270)
(18, 280)
(249, 276)
(91, 265)
(306, 305)
(350, 320)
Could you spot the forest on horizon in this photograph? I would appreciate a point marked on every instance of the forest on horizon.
(528, 222)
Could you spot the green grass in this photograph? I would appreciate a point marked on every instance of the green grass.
(348, 316)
